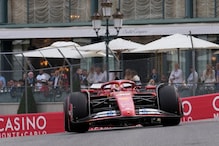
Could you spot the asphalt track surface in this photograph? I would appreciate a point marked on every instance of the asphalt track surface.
(202, 133)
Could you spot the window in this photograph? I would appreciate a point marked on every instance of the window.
(49, 11)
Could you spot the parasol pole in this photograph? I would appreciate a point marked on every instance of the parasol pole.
(178, 56)
(193, 63)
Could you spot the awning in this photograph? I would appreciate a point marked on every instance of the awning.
(61, 49)
(127, 30)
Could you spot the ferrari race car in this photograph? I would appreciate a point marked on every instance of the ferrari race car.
(122, 103)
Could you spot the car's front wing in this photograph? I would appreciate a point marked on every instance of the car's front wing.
(140, 114)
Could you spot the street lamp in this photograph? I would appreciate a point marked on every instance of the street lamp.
(96, 23)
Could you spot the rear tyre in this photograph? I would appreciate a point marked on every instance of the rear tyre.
(79, 102)
(169, 102)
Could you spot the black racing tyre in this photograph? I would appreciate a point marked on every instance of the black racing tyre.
(79, 102)
(168, 102)
(66, 115)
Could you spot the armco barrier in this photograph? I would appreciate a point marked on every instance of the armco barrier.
(31, 124)
(195, 108)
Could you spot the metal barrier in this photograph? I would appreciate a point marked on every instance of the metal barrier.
(58, 95)
(199, 89)
(15, 65)
(50, 95)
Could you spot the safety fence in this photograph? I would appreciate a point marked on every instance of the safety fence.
(50, 94)
(15, 69)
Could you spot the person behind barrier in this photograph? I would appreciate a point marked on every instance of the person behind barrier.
(30, 79)
(39, 79)
(52, 78)
(42, 81)
(99, 76)
(151, 82)
(12, 88)
(128, 74)
(90, 77)
(1, 87)
(154, 75)
(192, 79)
(163, 79)
(55, 79)
(84, 82)
(176, 76)
(64, 79)
(135, 77)
(111, 75)
(11, 85)
(3, 81)
(217, 76)
(208, 77)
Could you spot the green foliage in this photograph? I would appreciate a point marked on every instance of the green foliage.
(32, 108)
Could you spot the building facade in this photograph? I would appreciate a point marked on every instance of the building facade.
(31, 24)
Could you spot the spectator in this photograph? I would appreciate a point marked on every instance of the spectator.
(128, 74)
(1, 86)
(3, 81)
(55, 79)
(150, 85)
(135, 77)
(111, 75)
(98, 76)
(41, 80)
(12, 88)
(77, 80)
(217, 76)
(91, 76)
(20, 86)
(46, 75)
(54, 84)
(21, 83)
(154, 75)
(30, 79)
(151, 82)
(11, 85)
(208, 77)
(176, 76)
(163, 79)
(84, 75)
(64, 80)
(52, 78)
(192, 80)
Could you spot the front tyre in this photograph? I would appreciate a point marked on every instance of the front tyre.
(66, 115)
(169, 102)
(77, 104)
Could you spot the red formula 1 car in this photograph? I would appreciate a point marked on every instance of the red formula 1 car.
(120, 103)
